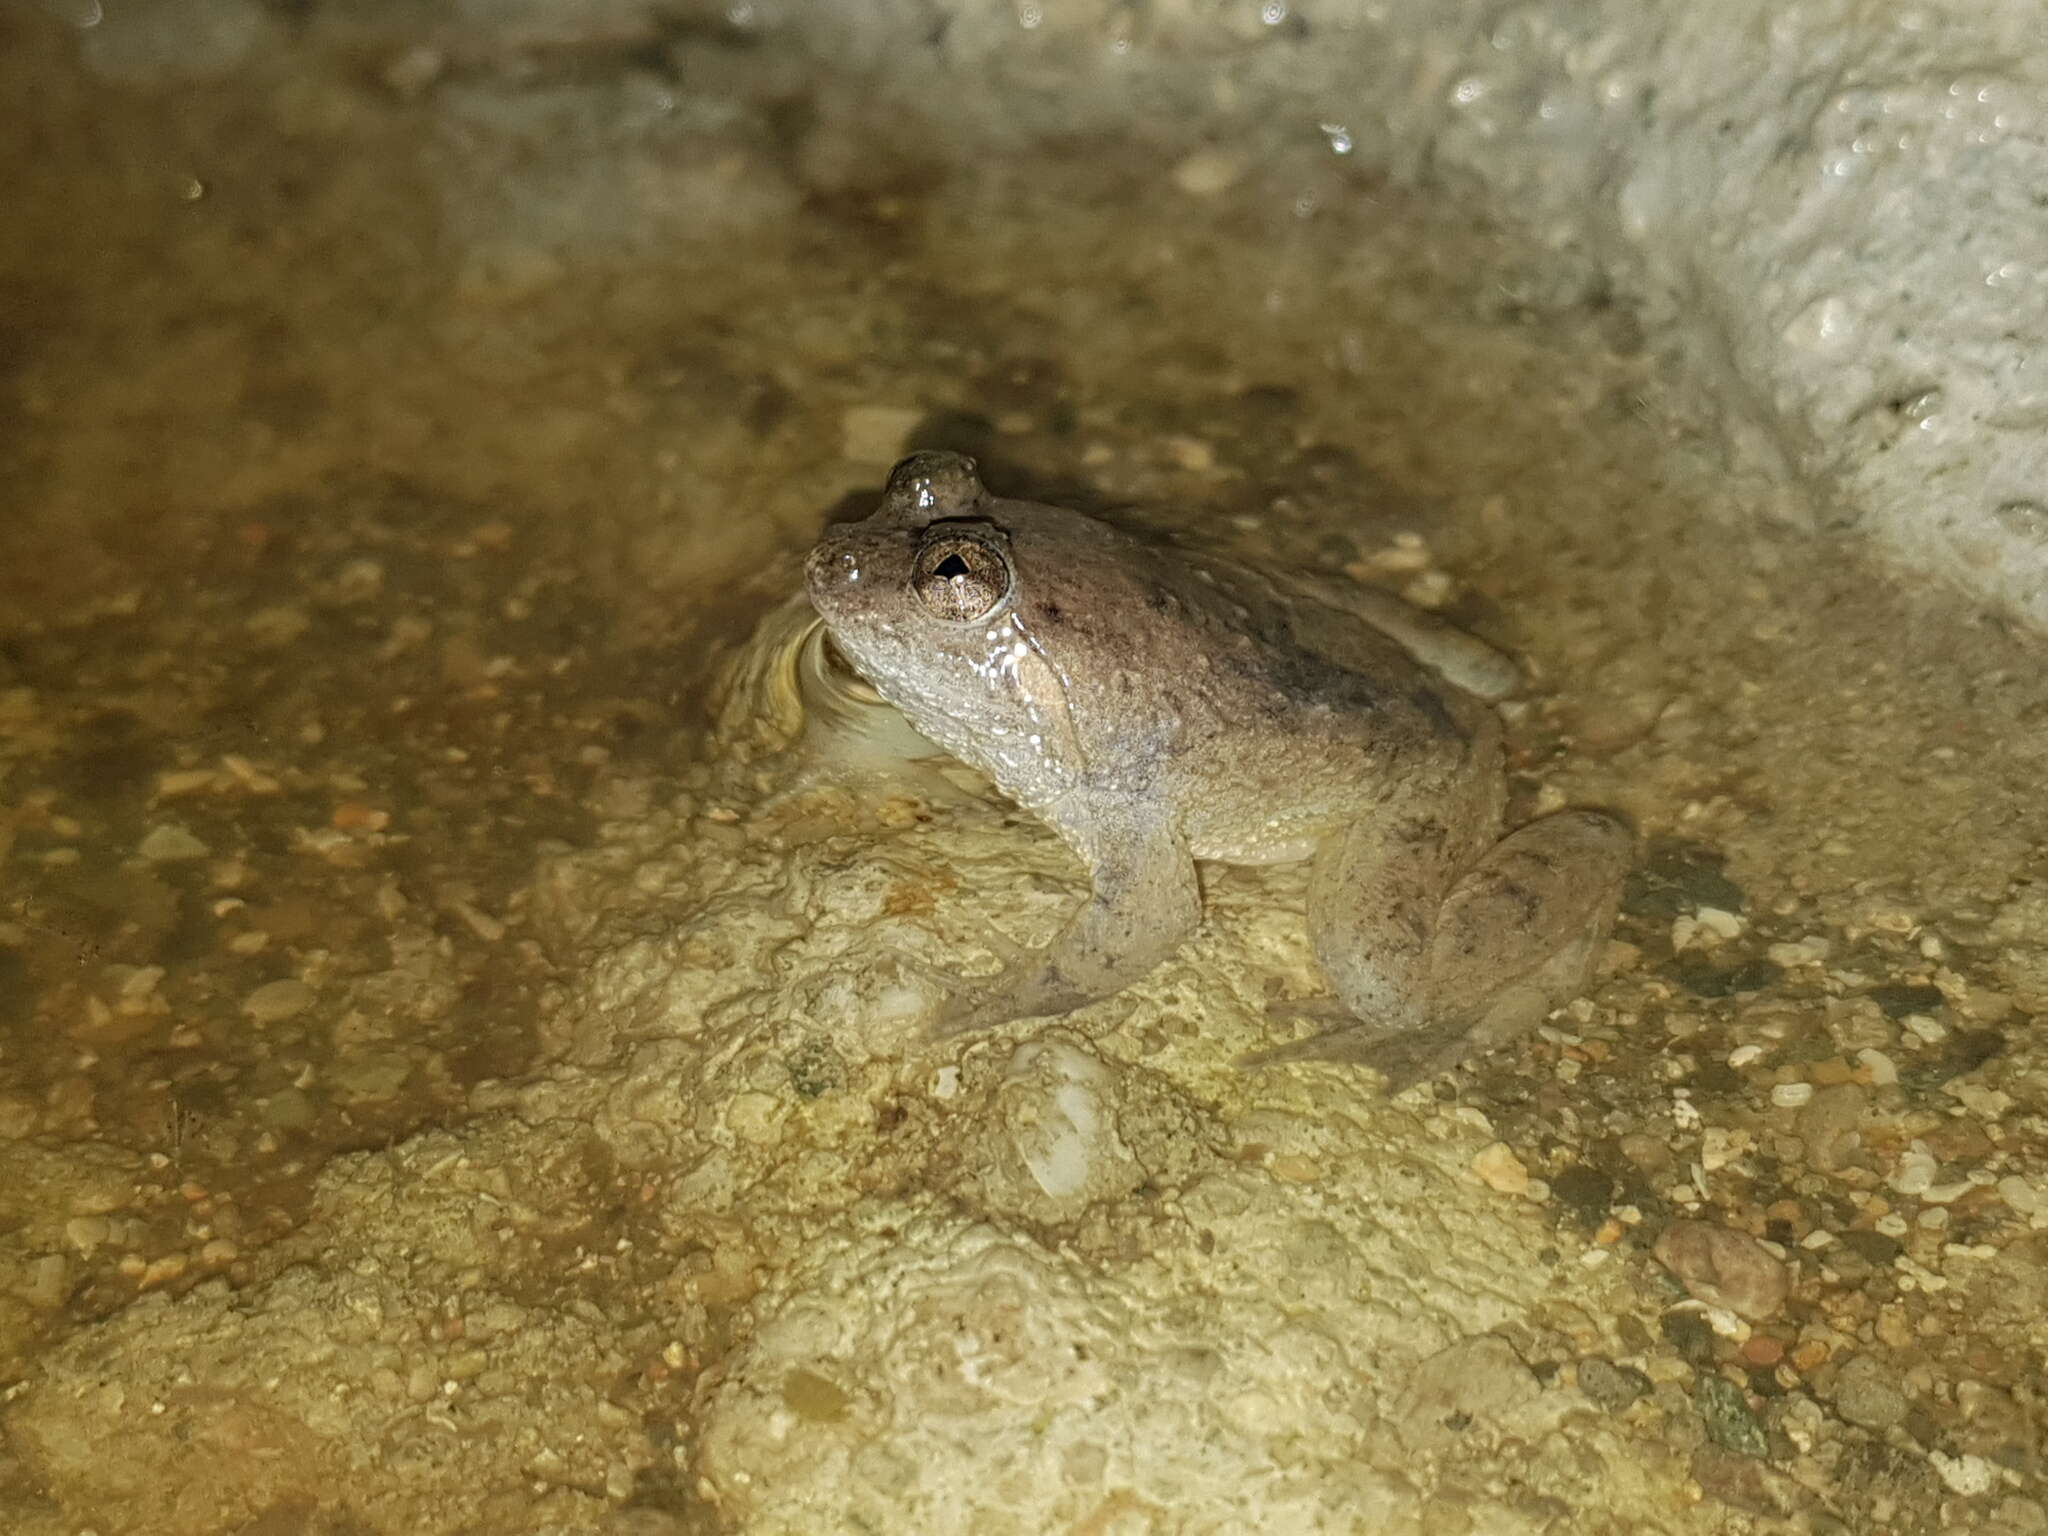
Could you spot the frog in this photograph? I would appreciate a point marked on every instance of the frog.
(1160, 707)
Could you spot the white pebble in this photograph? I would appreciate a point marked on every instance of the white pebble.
(1924, 1028)
(1884, 1072)
(1792, 1095)
(1720, 923)
(2021, 1196)
(170, 845)
(1917, 1168)
(1743, 1055)
(278, 1000)
(1965, 1475)
(1809, 951)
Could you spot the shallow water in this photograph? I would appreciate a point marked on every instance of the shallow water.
(387, 479)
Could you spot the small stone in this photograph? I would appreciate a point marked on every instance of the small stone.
(19, 1116)
(1500, 1170)
(1761, 1350)
(1866, 1395)
(1719, 922)
(754, 1117)
(1965, 1475)
(183, 781)
(1828, 1124)
(1613, 1387)
(1810, 951)
(1478, 1378)
(1724, 1408)
(1725, 1268)
(1791, 1095)
(168, 844)
(1917, 1169)
(1924, 1027)
(1809, 1356)
(2022, 1196)
(278, 1000)
(354, 816)
(163, 1271)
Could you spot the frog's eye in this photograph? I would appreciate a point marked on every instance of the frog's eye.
(960, 578)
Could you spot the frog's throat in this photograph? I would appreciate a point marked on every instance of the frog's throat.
(1044, 691)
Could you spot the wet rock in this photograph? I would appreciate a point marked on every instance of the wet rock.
(2018, 1517)
(1613, 1387)
(1688, 1333)
(1827, 1124)
(1900, 1478)
(1866, 1393)
(1724, 1409)
(1061, 1150)
(276, 1001)
(1473, 1380)
(1745, 1482)
(1725, 1268)
(169, 844)
(1497, 1167)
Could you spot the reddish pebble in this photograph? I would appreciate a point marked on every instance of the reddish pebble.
(1762, 1350)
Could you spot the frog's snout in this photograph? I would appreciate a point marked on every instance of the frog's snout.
(832, 575)
(822, 568)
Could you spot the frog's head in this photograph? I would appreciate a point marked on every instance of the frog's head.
(924, 599)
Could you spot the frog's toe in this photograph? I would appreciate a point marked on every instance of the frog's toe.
(965, 1012)
(1404, 1057)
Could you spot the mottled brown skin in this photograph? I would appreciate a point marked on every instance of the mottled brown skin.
(1156, 709)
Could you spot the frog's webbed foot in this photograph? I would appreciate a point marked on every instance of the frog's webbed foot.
(1412, 1052)
(1404, 1057)
(1145, 904)
(1027, 991)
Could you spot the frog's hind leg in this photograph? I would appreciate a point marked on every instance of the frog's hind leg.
(1514, 935)
(1375, 893)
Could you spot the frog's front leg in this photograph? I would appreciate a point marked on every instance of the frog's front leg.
(1144, 906)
